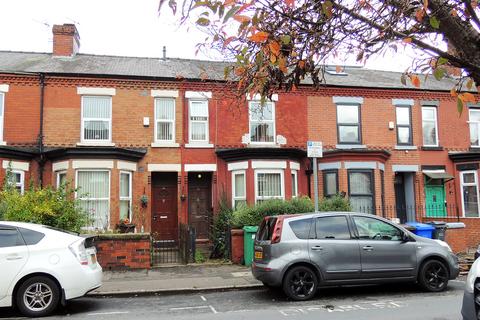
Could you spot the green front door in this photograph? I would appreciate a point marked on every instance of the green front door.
(435, 201)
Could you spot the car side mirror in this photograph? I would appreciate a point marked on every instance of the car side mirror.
(406, 237)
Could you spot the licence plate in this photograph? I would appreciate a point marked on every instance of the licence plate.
(258, 255)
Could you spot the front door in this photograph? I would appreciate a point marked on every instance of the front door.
(334, 250)
(164, 207)
(435, 200)
(383, 253)
(200, 203)
(400, 203)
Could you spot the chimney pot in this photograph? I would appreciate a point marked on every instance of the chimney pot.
(164, 53)
(66, 40)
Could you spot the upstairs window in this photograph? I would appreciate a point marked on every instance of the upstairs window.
(198, 121)
(429, 126)
(475, 127)
(164, 120)
(404, 125)
(262, 122)
(348, 124)
(96, 119)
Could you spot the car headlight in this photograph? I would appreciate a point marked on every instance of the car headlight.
(444, 244)
(472, 276)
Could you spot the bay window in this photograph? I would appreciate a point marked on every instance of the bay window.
(96, 119)
(18, 180)
(94, 195)
(239, 192)
(361, 190)
(61, 178)
(330, 183)
(269, 184)
(262, 122)
(125, 195)
(165, 120)
(198, 124)
(294, 183)
(469, 189)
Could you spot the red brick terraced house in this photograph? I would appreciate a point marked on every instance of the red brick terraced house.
(160, 141)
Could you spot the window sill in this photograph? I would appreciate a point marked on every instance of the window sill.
(351, 146)
(263, 145)
(400, 147)
(95, 144)
(199, 145)
(432, 148)
(3, 143)
(474, 148)
(164, 145)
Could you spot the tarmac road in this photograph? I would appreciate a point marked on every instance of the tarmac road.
(391, 302)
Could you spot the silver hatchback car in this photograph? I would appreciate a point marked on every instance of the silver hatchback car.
(303, 252)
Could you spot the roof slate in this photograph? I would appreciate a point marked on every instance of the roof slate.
(173, 68)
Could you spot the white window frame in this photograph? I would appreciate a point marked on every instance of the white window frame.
(83, 119)
(2, 115)
(21, 184)
(469, 184)
(282, 184)
(273, 122)
(87, 199)
(436, 125)
(234, 191)
(58, 173)
(294, 175)
(129, 198)
(172, 121)
(477, 123)
(190, 121)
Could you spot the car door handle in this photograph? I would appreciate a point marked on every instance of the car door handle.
(368, 248)
(14, 257)
(317, 248)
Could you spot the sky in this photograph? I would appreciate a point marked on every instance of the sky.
(115, 27)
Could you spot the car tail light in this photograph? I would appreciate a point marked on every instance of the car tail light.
(277, 231)
(78, 250)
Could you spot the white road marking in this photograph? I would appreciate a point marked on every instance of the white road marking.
(213, 309)
(203, 298)
(107, 313)
(241, 274)
(189, 308)
(389, 304)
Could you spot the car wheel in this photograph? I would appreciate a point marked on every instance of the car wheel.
(300, 283)
(433, 276)
(37, 297)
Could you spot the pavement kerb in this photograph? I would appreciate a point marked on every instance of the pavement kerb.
(175, 291)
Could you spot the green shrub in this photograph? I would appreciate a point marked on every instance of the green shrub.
(48, 206)
(199, 257)
(221, 223)
(252, 216)
(335, 203)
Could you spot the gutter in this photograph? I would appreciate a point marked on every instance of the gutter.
(42, 160)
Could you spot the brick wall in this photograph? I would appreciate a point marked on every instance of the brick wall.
(123, 251)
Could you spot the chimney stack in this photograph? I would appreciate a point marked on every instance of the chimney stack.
(66, 40)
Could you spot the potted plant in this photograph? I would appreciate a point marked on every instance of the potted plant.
(144, 200)
(125, 226)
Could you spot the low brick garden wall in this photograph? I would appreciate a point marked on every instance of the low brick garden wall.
(123, 251)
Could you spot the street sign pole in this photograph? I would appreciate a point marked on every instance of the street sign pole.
(315, 182)
(315, 151)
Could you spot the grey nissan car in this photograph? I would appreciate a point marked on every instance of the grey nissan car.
(301, 253)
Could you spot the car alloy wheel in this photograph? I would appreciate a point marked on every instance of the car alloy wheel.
(300, 283)
(37, 297)
(433, 276)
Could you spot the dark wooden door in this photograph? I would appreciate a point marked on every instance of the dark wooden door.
(200, 203)
(401, 204)
(164, 209)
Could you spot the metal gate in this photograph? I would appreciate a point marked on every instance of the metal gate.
(181, 251)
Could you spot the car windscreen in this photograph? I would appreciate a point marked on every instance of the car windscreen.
(265, 231)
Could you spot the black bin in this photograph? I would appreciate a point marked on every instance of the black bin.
(440, 228)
